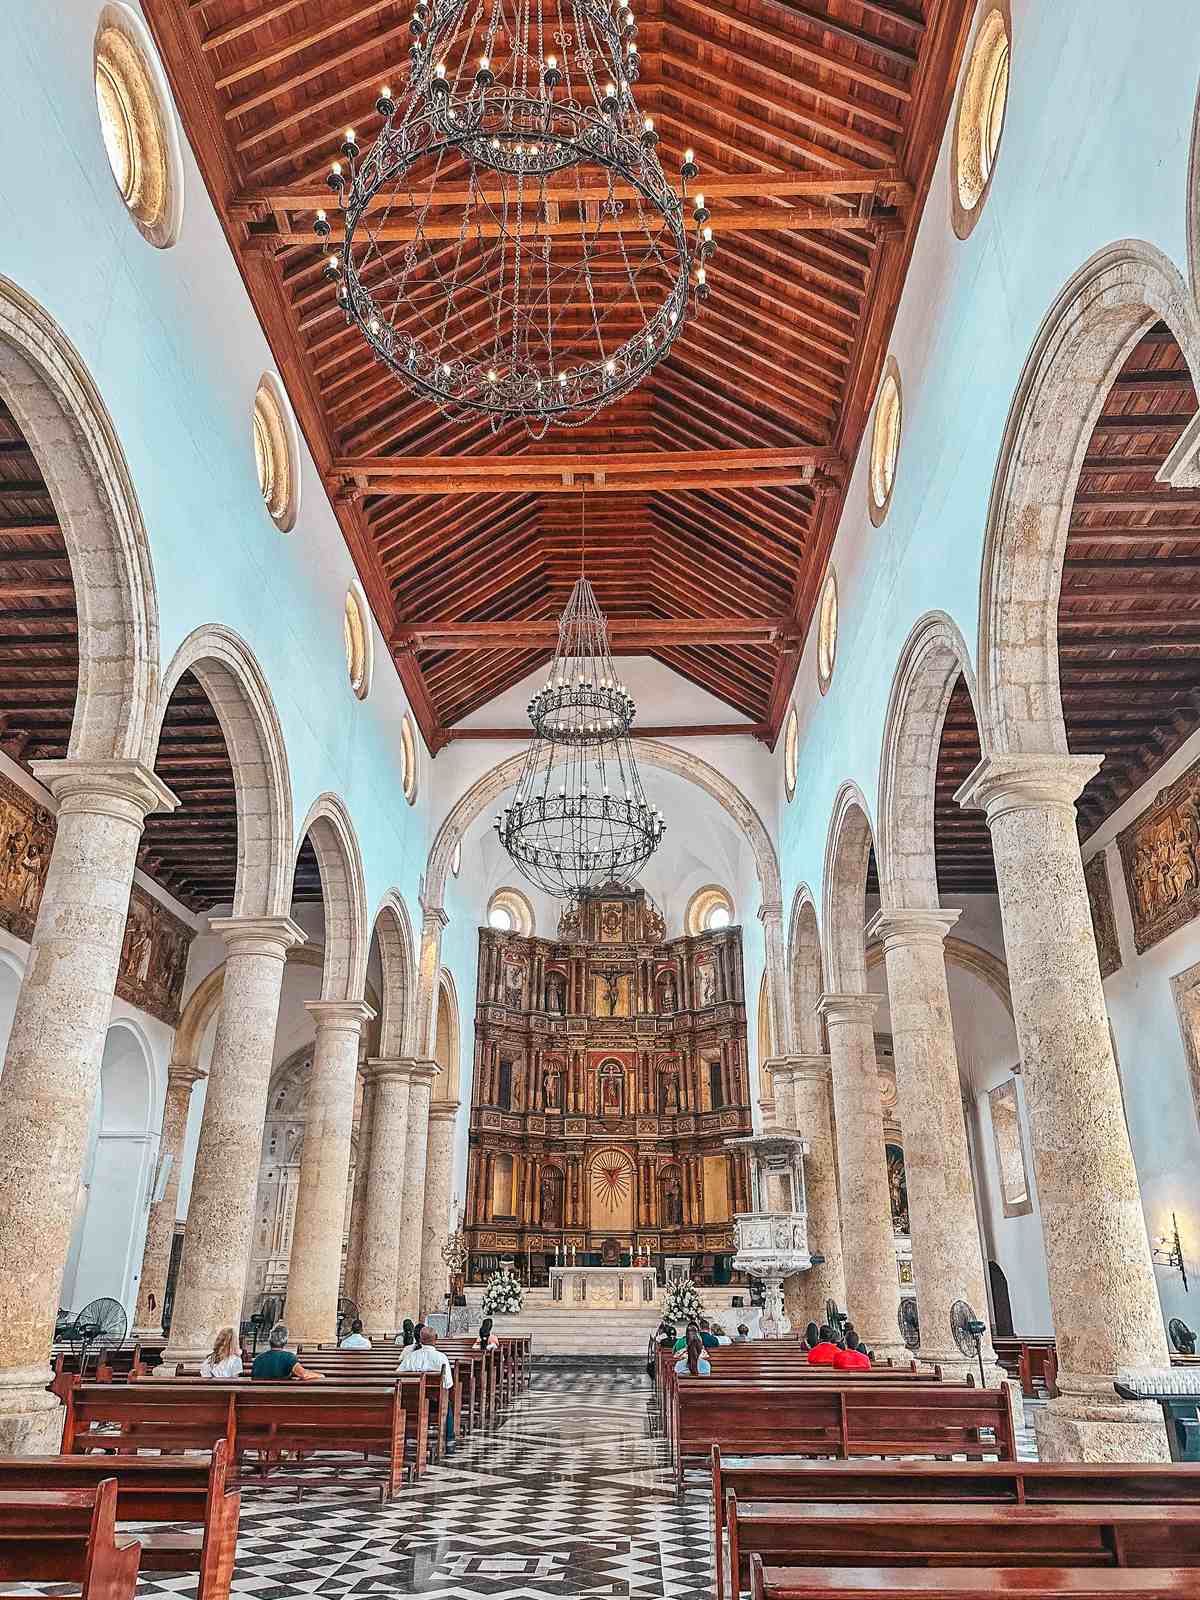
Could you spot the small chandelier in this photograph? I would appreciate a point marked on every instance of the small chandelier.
(511, 245)
(580, 817)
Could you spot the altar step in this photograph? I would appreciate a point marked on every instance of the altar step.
(601, 1331)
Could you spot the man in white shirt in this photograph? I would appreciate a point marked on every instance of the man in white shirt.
(356, 1339)
(425, 1356)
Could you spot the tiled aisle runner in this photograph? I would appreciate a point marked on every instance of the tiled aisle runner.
(569, 1496)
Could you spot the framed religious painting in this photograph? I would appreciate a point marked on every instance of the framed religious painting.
(1005, 1111)
(1160, 854)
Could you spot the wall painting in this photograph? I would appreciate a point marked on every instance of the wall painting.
(1160, 852)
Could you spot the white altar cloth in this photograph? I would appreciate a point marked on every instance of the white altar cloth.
(603, 1287)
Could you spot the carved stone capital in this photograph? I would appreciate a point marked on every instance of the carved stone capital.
(182, 1074)
(812, 1067)
(1000, 784)
(412, 1069)
(898, 929)
(444, 1110)
(839, 1008)
(770, 910)
(344, 1016)
(127, 789)
(267, 936)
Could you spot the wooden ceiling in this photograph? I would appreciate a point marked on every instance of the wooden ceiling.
(1128, 615)
(714, 489)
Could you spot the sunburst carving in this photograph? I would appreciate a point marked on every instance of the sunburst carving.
(611, 1179)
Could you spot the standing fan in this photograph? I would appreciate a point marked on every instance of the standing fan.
(101, 1325)
(346, 1313)
(967, 1332)
(910, 1328)
(1183, 1340)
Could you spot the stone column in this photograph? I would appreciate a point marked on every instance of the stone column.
(416, 1152)
(947, 1259)
(220, 1225)
(770, 914)
(807, 1097)
(315, 1264)
(160, 1226)
(358, 1200)
(439, 1175)
(52, 1067)
(872, 1288)
(379, 1260)
(429, 960)
(1102, 1291)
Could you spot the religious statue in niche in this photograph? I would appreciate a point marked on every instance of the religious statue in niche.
(550, 1081)
(668, 992)
(610, 1082)
(1160, 853)
(897, 1188)
(706, 983)
(1108, 947)
(670, 1199)
(26, 839)
(552, 1198)
(514, 984)
(556, 994)
(668, 1087)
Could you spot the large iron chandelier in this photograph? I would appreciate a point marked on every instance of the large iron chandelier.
(580, 818)
(511, 244)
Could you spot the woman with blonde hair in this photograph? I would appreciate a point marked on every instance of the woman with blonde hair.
(225, 1358)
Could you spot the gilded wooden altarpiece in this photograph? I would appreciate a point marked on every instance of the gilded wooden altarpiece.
(154, 950)
(610, 1069)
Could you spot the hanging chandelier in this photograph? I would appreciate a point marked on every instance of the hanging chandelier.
(580, 818)
(511, 245)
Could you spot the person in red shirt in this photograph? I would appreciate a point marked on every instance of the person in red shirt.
(823, 1352)
(853, 1358)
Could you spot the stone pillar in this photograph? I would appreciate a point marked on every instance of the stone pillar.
(947, 1259)
(429, 960)
(872, 1289)
(379, 1259)
(807, 1099)
(160, 1226)
(315, 1264)
(1102, 1291)
(52, 1067)
(358, 1200)
(770, 914)
(416, 1153)
(439, 1175)
(220, 1225)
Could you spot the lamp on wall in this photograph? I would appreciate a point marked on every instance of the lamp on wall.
(1168, 1251)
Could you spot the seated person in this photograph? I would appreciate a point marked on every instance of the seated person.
(424, 1356)
(278, 1361)
(853, 1358)
(742, 1336)
(666, 1333)
(825, 1349)
(694, 1363)
(407, 1335)
(225, 1358)
(707, 1337)
(356, 1339)
(812, 1337)
(487, 1340)
(681, 1342)
(719, 1334)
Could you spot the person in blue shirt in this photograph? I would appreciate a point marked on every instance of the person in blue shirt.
(695, 1363)
(277, 1361)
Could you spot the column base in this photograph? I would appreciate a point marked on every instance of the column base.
(1086, 1426)
(31, 1421)
(893, 1350)
(175, 1353)
(150, 1330)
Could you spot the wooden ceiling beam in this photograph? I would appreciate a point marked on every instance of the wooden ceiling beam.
(708, 730)
(626, 636)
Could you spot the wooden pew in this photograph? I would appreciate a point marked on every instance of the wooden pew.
(358, 1367)
(838, 1419)
(154, 1489)
(958, 1533)
(965, 1583)
(68, 1536)
(1033, 1363)
(328, 1423)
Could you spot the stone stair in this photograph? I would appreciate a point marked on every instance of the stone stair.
(558, 1330)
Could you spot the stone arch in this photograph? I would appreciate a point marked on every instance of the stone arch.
(343, 889)
(227, 671)
(393, 929)
(1081, 346)
(846, 856)
(449, 1041)
(651, 753)
(968, 957)
(65, 422)
(807, 972)
(933, 657)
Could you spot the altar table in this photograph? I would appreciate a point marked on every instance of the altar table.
(603, 1287)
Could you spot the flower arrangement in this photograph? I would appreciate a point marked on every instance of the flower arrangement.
(683, 1303)
(503, 1295)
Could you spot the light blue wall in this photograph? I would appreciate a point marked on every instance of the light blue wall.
(1095, 149)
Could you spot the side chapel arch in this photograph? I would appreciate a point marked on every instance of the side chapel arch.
(343, 888)
(1081, 346)
(397, 1018)
(807, 972)
(447, 1040)
(847, 853)
(56, 405)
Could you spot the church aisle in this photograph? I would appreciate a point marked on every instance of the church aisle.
(568, 1497)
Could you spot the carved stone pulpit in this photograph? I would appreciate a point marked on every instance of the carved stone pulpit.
(772, 1238)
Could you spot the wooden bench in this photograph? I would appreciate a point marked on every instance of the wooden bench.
(965, 1583)
(838, 1419)
(154, 1489)
(68, 1536)
(326, 1423)
(1033, 1363)
(958, 1533)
